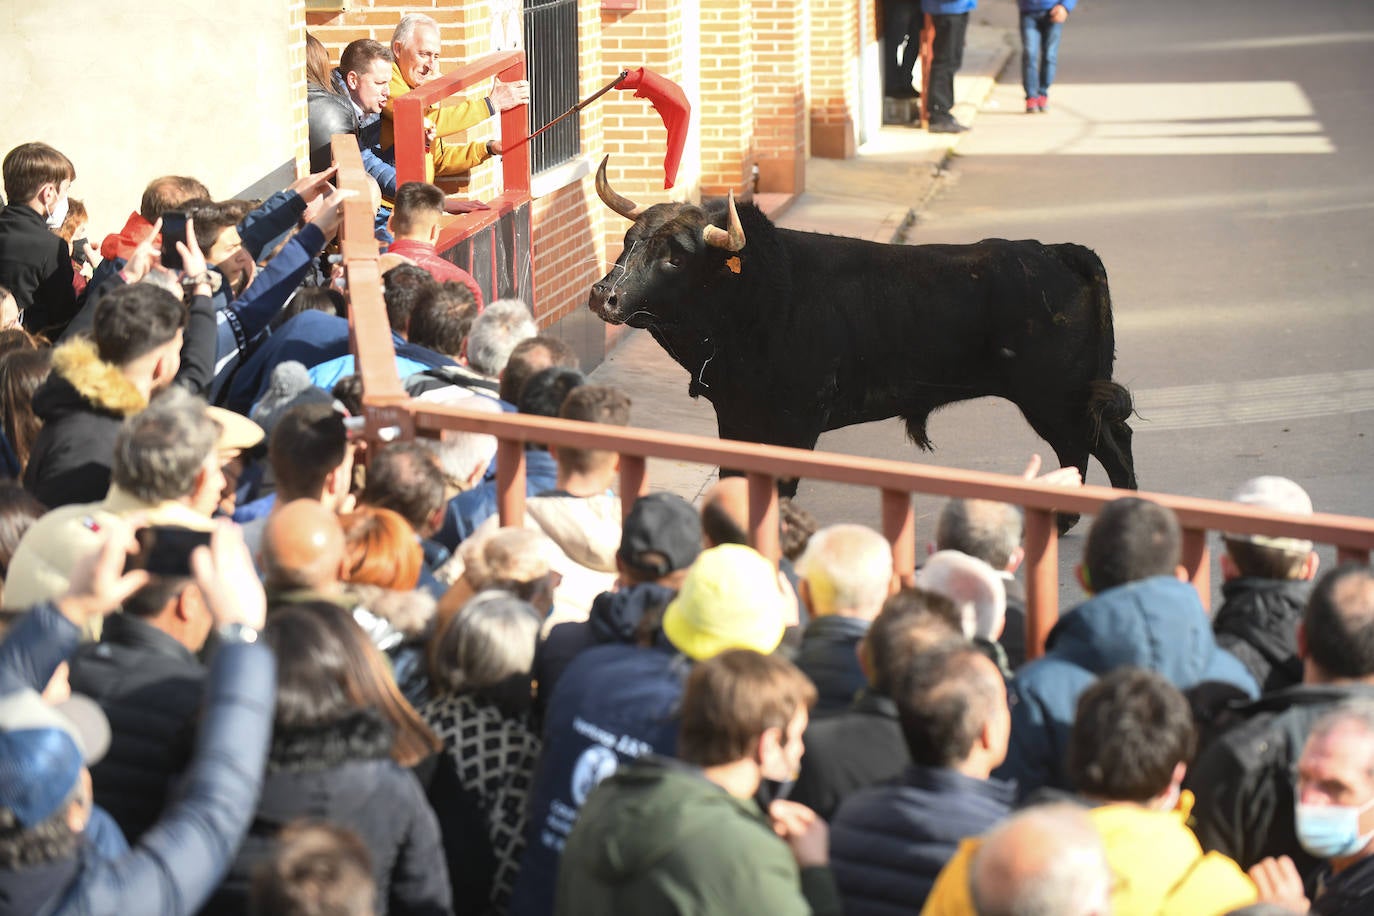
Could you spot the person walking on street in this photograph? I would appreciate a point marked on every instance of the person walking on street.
(1042, 24)
(950, 18)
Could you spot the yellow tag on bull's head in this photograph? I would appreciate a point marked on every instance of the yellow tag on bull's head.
(733, 264)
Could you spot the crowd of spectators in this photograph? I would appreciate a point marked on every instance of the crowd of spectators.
(255, 663)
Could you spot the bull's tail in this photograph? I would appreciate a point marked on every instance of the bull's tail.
(1108, 403)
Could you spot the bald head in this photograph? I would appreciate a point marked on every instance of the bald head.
(1046, 861)
(975, 588)
(302, 548)
(725, 512)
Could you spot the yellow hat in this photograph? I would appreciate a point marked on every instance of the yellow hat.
(730, 599)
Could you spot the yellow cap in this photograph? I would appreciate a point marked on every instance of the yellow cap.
(730, 599)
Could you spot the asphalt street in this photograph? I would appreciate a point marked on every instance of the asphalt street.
(1217, 156)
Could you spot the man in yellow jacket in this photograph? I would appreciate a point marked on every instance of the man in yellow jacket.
(415, 44)
(1132, 738)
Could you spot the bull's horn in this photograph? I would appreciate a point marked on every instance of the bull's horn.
(622, 205)
(731, 239)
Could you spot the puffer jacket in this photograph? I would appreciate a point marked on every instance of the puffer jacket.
(1157, 624)
(341, 772)
(82, 405)
(947, 7)
(829, 656)
(888, 843)
(149, 686)
(1258, 624)
(1159, 867)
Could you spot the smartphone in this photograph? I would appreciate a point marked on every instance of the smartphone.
(173, 231)
(165, 550)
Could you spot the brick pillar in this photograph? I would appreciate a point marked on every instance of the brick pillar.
(295, 16)
(780, 30)
(727, 95)
(834, 50)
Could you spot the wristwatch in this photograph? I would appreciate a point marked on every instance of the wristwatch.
(238, 632)
(190, 281)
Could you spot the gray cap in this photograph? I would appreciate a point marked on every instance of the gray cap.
(1278, 494)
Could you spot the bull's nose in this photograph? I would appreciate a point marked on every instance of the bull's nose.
(602, 293)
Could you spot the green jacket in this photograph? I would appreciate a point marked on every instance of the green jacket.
(659, 838)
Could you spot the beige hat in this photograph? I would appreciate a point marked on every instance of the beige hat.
(1278, 494)
(237, 432)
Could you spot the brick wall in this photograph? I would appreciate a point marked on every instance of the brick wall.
(727, 96)
(780, 121)
(834, 49)
(295, 42)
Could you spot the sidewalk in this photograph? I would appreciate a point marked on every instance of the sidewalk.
(874, 196)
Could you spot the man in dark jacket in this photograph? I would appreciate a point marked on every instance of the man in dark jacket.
(35, 264)
(47, 866)
(668, 837)
(659, 539)
(864, 746)
(1266, 581)
(1335, 811)
(96, 385)
(1244, 780)
(145, 675)
(1141, 614)
(617, 703)
(888, 843)
(845, 576)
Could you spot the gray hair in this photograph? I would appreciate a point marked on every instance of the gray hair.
(460, 451)
(405, 29)
(160, 450)
(163, 279)
(495, 333)
(990, 531)
(1352, 712)
(847, 567)
(1047, 860)
(491, 640)
(975, 588)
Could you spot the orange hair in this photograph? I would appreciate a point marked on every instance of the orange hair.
(382, 549)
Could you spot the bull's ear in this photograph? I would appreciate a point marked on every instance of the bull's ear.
(731, 238)
(622, 205)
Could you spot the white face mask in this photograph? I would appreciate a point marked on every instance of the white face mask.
(58, 213)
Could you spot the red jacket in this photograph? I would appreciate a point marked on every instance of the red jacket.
(423, 254)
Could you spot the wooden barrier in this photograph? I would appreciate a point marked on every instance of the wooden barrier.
(391, 415)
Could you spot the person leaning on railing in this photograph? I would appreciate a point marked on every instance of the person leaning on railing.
(416, 46)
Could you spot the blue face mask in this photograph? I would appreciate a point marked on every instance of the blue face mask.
(1332, 831)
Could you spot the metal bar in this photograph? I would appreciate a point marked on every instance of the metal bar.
(408, 114)
(1197, 560)
(634, 482)
(1042, 579)
(763, 516)
(510, 482)
(899, 527)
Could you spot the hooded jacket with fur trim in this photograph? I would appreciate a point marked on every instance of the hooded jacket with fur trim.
(82, 405)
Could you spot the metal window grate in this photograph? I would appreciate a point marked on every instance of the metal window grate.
(551, 55)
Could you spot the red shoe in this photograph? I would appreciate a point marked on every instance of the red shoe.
(1042, 104)
(1032, 105)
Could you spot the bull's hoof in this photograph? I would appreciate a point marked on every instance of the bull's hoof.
(1066, 521)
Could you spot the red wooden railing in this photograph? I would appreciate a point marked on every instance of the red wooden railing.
(390, 414)
(409, 115)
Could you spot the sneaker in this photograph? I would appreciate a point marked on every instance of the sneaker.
(1042, 104)
(1032, 105)
(946, 126)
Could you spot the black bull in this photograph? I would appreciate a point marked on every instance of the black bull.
(789, 334)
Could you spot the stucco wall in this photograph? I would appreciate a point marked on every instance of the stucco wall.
(134, 90)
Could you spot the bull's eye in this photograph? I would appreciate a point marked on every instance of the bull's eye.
(675, 259)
